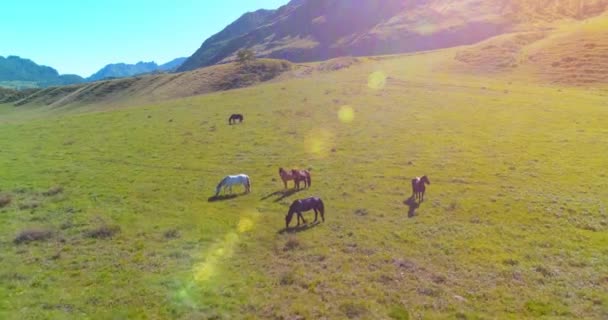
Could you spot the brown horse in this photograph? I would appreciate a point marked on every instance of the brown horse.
(418, 187)
(301, 176)
(296, 176)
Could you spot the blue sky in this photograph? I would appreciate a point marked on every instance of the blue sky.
(82, 36)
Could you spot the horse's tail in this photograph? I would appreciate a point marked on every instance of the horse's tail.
(322, 209)
(308, 179)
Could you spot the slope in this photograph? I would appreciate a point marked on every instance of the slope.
(313, 30)
(566, 53)
(117, 202)
(157, 87)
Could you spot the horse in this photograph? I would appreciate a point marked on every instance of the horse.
(303, 205)
(418, 187)
(296, 176)
(301, 175)
(234, 117)
(229, 181)
(285, 176)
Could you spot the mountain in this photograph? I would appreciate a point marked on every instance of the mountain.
(22, 73)
(213, 46)
(309, 30)
(172, 65)
(123, 70)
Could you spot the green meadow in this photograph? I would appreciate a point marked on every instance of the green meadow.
(105, 212)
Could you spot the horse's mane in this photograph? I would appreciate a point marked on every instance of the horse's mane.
(221, 182)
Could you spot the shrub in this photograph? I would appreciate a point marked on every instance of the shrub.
(30, 235)
(399, 313)
(172, 234)
(5, 200)
(352, 310)
(245, 56)
(291, 244)
(53, 191)
(103, 232)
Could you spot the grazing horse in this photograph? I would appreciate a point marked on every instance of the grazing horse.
(229, 181)
(233, 118)
(296, 176)
(303, 205)
(301, 176)
(418, 187)
(285, 176)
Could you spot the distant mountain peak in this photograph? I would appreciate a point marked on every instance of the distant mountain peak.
(122, 70)
(19, 72)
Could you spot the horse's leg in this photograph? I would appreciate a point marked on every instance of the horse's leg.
(316, 214)
(284, 182)
(422, 197)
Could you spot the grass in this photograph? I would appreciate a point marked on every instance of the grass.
(513, 225)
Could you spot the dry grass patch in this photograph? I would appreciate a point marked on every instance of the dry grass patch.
(103, 232)
(31, 235)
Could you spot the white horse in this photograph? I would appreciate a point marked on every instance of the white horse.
(229, 181)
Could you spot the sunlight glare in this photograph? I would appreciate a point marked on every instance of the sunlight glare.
(346, 114)
(376, 80)
(319, 142)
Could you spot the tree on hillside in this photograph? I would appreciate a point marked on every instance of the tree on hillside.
(245, 56)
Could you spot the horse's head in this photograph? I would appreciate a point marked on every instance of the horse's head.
(219, 187)
(281, 170)
(425, 179)
(288, 217)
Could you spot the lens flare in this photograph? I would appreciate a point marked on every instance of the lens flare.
(223, 249)
(346, 114)
(376, 80)
(319, 142)
(245, 224)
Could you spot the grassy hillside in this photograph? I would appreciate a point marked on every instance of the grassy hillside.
(568, 53)
(158, 87)
(106, 213)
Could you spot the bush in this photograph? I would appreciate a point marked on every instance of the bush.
(291, 244)
(30, 235)
(5, 200)
(103, 232)
(353, 311)
(245, 56)
(399, 313)
(171, 234)
(53, 191)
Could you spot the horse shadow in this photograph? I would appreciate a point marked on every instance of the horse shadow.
(282, 193)
(222, 197)
(300, 228)
(413, 205)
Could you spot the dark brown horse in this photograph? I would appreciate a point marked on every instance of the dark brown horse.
(303, 205)
(233, 118)
(301, 176)
(418, 187)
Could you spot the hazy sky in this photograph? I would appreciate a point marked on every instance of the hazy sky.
(82, 36)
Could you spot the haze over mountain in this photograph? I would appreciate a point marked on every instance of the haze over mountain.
(309, 30)
(122, 70)
(21, 73)
(24, 73)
